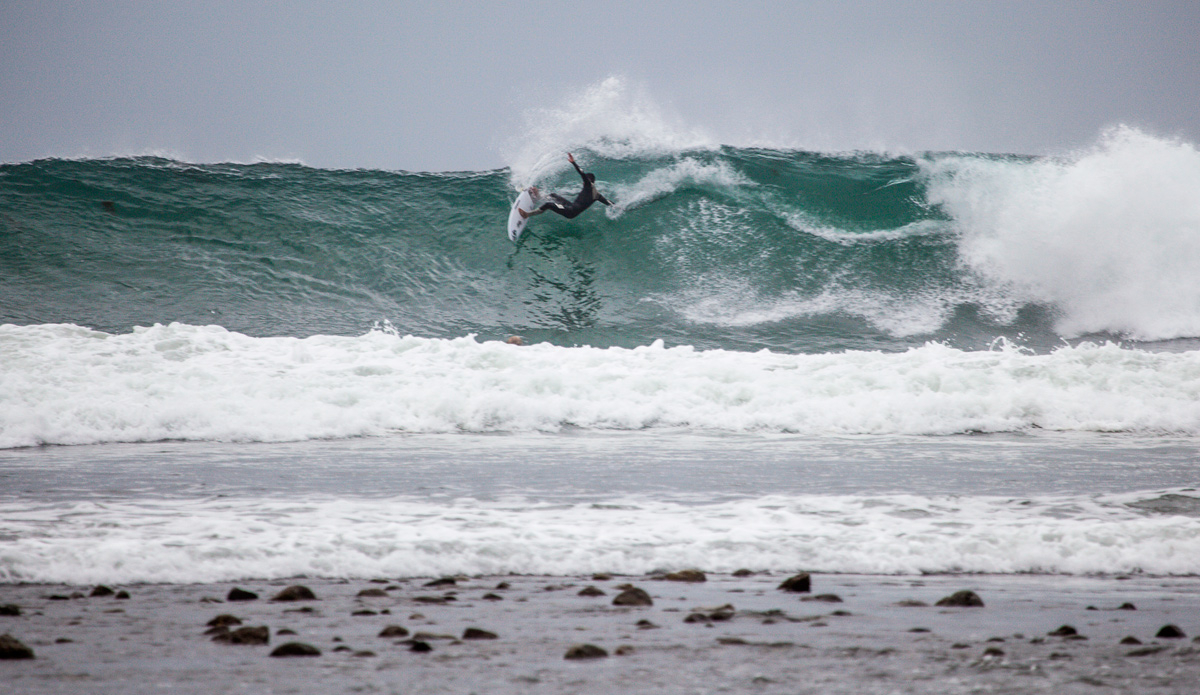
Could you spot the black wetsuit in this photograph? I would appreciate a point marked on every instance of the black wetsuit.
(571, 208)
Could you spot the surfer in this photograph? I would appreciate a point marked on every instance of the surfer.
(570, 208)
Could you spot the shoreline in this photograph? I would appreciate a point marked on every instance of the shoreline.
(729, 633)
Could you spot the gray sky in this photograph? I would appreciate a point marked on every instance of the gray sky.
(448, 85)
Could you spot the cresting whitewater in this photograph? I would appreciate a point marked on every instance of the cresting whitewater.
(731, 292)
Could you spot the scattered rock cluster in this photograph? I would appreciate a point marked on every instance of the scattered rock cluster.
(227, 628)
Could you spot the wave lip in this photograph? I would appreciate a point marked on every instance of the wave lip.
(69, 385)
(613, 119)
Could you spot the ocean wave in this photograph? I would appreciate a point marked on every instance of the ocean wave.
(711, 246)
(63, 384)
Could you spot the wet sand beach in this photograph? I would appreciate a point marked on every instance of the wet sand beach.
(513, 634)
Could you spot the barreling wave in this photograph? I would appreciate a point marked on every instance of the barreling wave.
(713, 247)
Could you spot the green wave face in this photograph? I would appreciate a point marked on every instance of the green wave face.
(738, 249)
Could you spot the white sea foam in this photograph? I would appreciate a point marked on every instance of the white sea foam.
(804, 222)
(219, 539)
(664, 181)
(1110, 236)
(733, 302)
(612, 118)
(62, 384)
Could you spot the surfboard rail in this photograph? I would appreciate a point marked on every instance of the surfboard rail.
(516, 223)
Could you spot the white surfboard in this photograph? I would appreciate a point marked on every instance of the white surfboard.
(516, 223)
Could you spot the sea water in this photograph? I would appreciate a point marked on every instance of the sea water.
(765, 358)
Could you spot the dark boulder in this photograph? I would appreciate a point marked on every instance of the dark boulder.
(224, 620)
(722, 614)
(101, 590)
(1131, 640)
(444, 581)
(633, 596)
(714, 615)
(372, 593)
(691, 576)
(1170, 632)
(245, 635)
(393, 631)
(961, 599)
(1063, 631)
(236, 594)
(823, 598)
(296, 649)
(591, 591)
(585, 651)
(13, 648)
(419, 646)
(10, 609)
(800, 583)
(295, 593)
(476, 633)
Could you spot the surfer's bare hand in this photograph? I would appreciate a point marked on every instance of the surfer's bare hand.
(570, 158)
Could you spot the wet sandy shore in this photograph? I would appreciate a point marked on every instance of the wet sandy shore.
(726, 634)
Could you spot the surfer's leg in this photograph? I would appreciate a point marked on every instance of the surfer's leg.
(564, 207)
(557, 204)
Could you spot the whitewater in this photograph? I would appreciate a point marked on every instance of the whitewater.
(69, 385)
(764, 357)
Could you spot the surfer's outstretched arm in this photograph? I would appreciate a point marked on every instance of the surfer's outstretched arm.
(571, 159)
(604, 200)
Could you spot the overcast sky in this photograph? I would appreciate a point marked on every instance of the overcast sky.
(444, 85)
